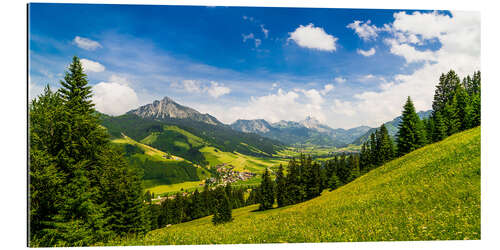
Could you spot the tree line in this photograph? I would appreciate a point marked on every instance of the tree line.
(218, 201)
(456, 107)
(305, 179)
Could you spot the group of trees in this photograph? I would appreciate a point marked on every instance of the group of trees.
(218, 201)
(456, 107)
(305, 179)
(81, 189)
(377, 151)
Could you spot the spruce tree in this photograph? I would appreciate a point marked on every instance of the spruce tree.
(267, 191)
(374, 161)
(445, 90)
(386, 147)
(411, 132)
(281, 194)
(463, 101)
(223, 210)
(334, 182)
(293, 183)
(451, 116)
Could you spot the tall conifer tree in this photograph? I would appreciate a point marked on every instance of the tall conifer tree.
(411, 133)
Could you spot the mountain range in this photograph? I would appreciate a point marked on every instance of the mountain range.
(306, 132)
(309, 131)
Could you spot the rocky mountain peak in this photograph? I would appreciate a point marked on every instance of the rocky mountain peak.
(167, 108)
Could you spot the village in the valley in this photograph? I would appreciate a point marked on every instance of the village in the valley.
(225, 174)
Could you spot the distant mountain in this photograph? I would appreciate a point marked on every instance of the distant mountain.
(252, 126)
(392, 127)
(167, 108)
(306, 132)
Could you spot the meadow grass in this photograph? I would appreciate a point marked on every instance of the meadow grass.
(432, 193)
(240, 162)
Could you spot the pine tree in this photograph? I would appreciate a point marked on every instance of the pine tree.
(463, 101)
(223, 210)
(267, 191)
(386, 147)
(374, 161)
(410, 134)
(445, 90)
(451, 116)
(197, 210)
(293, 183)
(343, 170)
(334, 182)
(354, 165)
(281, 195)
(440, 130)
(67, 142)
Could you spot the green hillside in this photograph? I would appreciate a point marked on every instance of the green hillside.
(157, 169)
(185, 137)
(431, 193)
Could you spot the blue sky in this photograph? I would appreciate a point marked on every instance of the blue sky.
(345, 67)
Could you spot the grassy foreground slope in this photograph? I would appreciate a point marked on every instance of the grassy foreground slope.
(431, 193)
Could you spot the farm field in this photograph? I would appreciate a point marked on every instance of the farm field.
(432, 193)
(241, 162)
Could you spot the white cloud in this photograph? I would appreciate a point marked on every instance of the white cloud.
(340, 79)
(86, 43)
(364, 30)
(277, 106)
(192, 86)
(246, 37)
(264, 30)
(215, 90)
(369, 52)
(114, 98)
(408, 52)
(459, 36)
(275, 85)
(35, 90)
(92, 66)
(326, 89)
(313, 38)
(367, 77)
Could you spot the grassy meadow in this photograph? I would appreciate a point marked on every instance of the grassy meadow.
(432, 193)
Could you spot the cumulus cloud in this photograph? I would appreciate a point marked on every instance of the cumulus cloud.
(459, 36)
(364, 30)
(277, 106)
(313, 38)
(369, 52)
(339, 79)
(326, 89)
(214, 89)
(92, 66)
(86, 44)
(114, 98)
